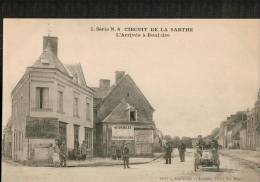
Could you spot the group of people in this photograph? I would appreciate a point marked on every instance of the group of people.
(58, 153)
(80, 152)
(211, 143)
(169, 149)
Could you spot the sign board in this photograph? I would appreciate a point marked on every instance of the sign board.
(144, 136)
(122, 132)
(42, 128)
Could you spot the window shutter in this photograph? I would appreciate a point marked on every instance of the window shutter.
(45, 98)
(37, 97)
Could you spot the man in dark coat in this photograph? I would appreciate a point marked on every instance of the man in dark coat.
(182, 150)
(63, 154)
(168, 153)
(126, 157)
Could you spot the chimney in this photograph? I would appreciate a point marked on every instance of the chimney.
(104, 83)
(119, 75)
(52, 43)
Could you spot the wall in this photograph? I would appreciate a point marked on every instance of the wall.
(243, 139)
(20, 109)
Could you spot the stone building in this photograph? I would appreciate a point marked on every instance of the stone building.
(123, 116)
(51, 101)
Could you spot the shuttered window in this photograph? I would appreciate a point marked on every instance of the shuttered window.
(75, 107)
(88, 111)
(60, 101)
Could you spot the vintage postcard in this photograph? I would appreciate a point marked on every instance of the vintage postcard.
(131, 100)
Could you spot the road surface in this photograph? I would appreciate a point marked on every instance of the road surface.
(230, 170)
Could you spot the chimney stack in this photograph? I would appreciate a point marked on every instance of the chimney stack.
(104, 83)
(119, 75)
(52, 43)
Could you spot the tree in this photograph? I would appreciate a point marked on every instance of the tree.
(168, 138)
(175, 141)
(187, 141)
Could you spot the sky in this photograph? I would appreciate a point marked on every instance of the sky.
(194, 80)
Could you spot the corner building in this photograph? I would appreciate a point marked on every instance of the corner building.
(51, 101)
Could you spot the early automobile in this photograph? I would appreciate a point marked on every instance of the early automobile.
(206, 158)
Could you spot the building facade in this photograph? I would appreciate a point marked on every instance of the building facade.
(229, 133)
(123, 117)
(51, 101)
(253, 126)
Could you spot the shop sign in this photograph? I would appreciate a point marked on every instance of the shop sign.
(122, 132)
(42, 128)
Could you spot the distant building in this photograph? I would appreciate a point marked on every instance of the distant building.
(122, 115)
(229, 134)
(51, 101)
(243, 135)
(253, 126)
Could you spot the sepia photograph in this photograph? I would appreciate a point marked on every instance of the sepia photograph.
(157, 100)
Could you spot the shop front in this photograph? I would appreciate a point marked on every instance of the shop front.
(116, 136)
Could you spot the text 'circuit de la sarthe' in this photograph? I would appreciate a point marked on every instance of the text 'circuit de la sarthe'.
(52, 101)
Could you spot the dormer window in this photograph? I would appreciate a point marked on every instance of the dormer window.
(44, 61)
(133, 115)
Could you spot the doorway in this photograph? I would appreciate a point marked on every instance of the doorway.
(63, 132)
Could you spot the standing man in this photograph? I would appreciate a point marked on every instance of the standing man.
(126, 157)
(83, 149)
(182, 150)
(168, 153)
(63, 154)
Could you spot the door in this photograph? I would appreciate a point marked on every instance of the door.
(76, 136)
(63, 132)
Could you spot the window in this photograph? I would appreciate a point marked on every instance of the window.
(42, 97)
(88, 111)
(132, 115)
(75, 107)
(60, 101)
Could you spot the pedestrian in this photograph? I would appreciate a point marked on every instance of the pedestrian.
(76, 151)
(126, 157)
(55, 154)
(182, 150)
(63, 154)
(118, 153)
(168, 153)
(200, 144)
(83, 150)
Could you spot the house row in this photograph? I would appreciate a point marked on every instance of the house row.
(242, 130)
(53, 101)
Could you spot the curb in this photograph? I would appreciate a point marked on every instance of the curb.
(85, 165)
(115, 164)
(250, 163)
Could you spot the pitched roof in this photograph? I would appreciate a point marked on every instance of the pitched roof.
(101, 93)
(52, 59)
(77, 69)
(118, 114)
(112, 99)
(124, 78)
